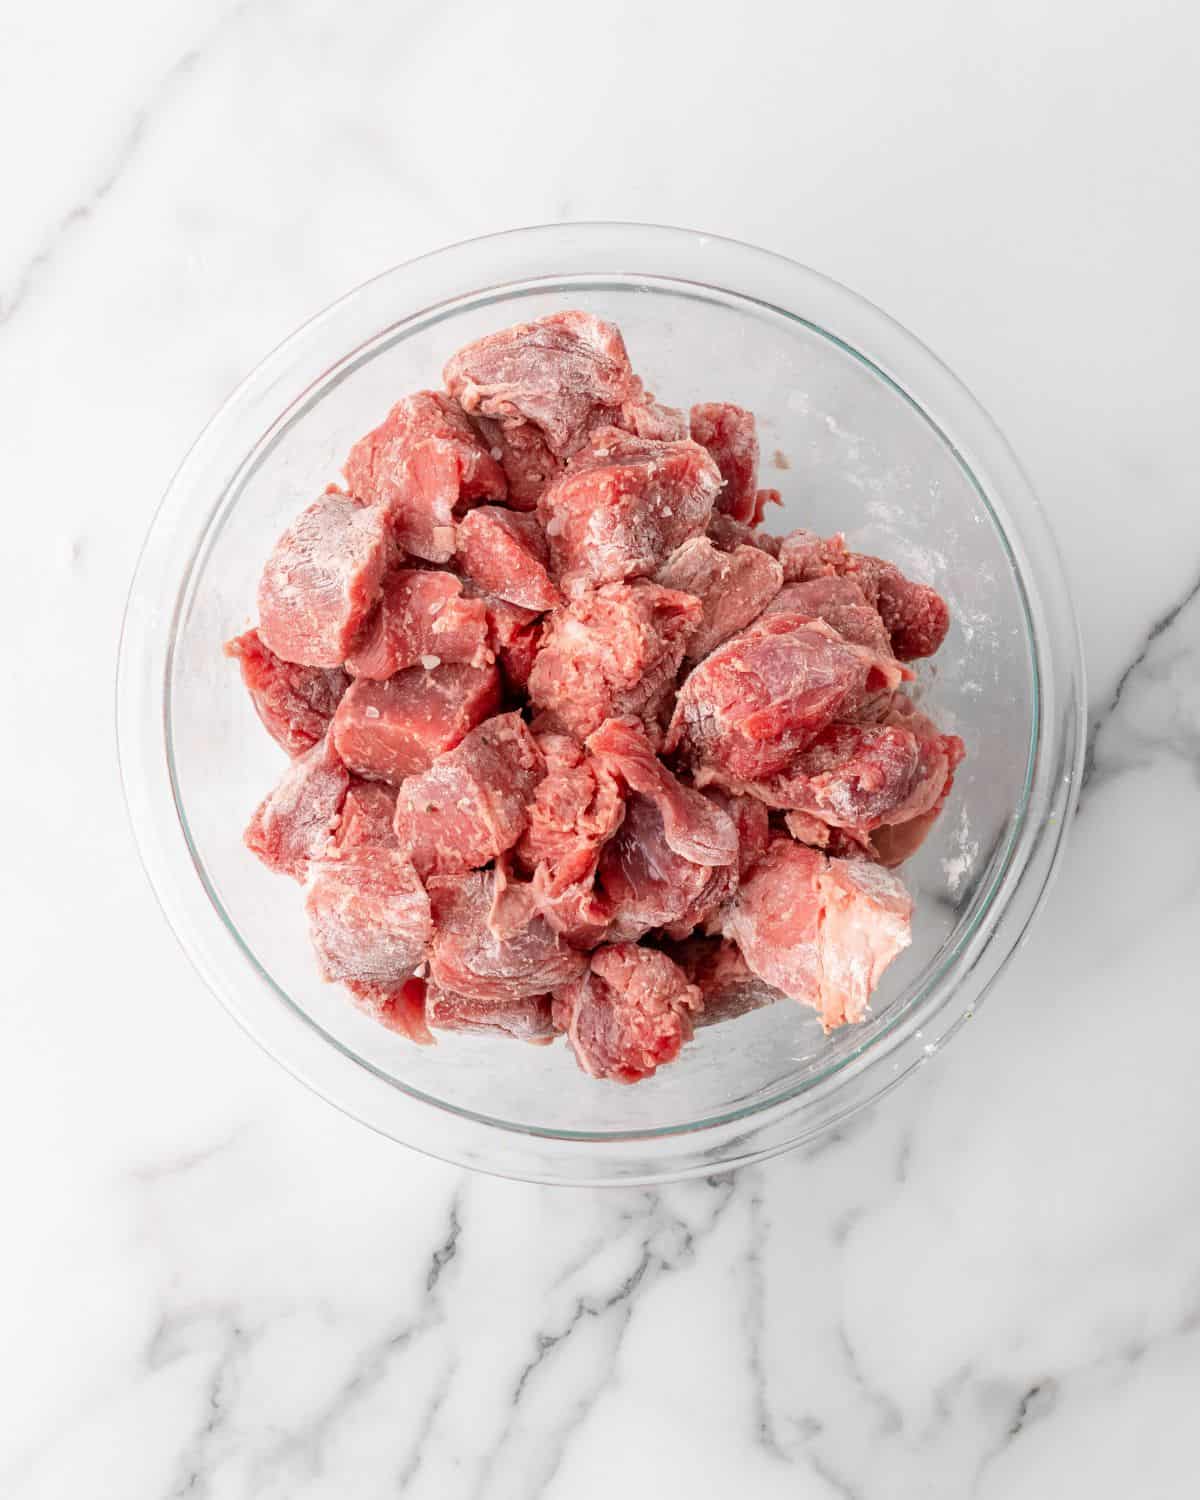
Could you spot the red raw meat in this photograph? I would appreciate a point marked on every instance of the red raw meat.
(422, 618)
(292, 825)
(470, 805)
(733, 588)
(623, 505)
(527, 1018)
(840, 603)
(642, 883)
(693, 825)
(505, 554)
(399, 1007)
(804, 556)
(763, 498)
(521, 452)
(321, 582)
(368, 915)
(295, 703)
(906, 827)
(762, 696)
(422, 466)
(730, 435)
(629, 1014)
(575, 809)
(727, 986)
(367, 816)
(727, 534)
(393, 729)
(648, 418)
(470, 957)
(611, 652)
(916, 616)
(821, 930)
(564, 374)
(751, 820)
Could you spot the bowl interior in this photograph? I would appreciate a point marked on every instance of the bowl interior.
(850, 452)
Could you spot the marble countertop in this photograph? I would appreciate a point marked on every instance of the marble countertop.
(219, 1287)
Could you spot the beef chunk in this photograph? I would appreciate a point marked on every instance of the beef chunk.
(393, 729)
(731, 437)
(647, 418)
(470, 805)
(762, 696)
(488, 955)
(643, 883)
(292, 825)
(368, 915)
(399, 1007)
(321, 582)
(916, 616)
(728, 987)
(821, 930)
(693, 825)
(527, 1018)
(840, 602)
(563, 375)
(295, 703)
(422, 619)
(575, 809)
(367, 816)
(733, 588)
(724, 532)
(521, 451)
(629, 1014)
(611, 652)
(623, 505)
(505, 554)
(423, 465)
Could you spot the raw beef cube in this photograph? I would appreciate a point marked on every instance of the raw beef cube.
(505, 553)
(368, 915)
(905, 828)
(469, 806)
(917, 617)
(422, 466)
(851, 776)
(470, 957)
(514, 635)
(521, 452)
(399, 1007)
(840, 603)
(393, 729)
(693, 825)
(321, 582)
(647, 418)
(527, 1018)
(629, 1014)
(727, 534)
(367, 816)
(422, 618)
(804, 556)
(292, 825)
(643, 883)
(623, 505)
(733, 588)
(611, 652)
(751, 820)
(295, 703)
(762, 696)
(727, 986)
(563, 374)
(821, 930)
(575, 809)
(729, 434)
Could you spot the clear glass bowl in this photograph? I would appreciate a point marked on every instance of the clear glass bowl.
(865, 432)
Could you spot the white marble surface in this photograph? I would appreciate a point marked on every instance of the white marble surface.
(216, 1286)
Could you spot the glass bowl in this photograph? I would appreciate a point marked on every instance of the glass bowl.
(865, 432)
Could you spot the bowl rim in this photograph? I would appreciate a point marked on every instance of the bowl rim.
(531, 257)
